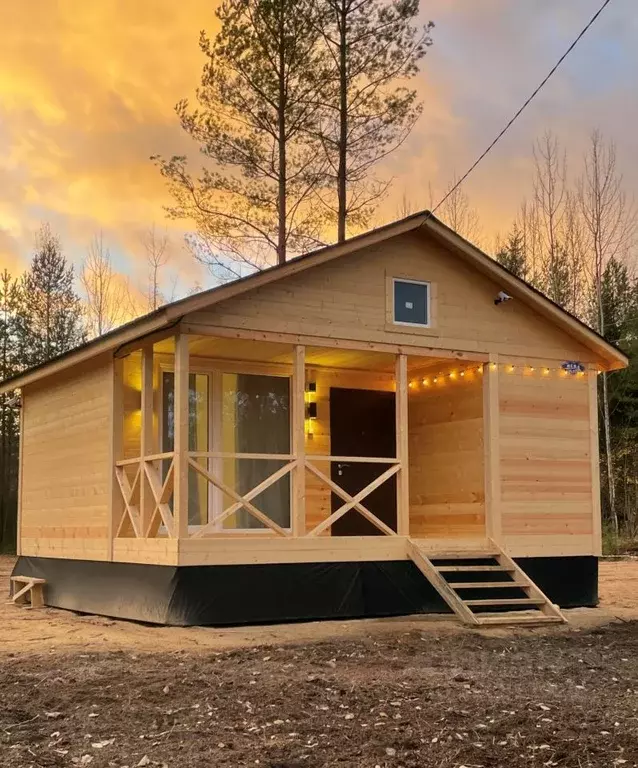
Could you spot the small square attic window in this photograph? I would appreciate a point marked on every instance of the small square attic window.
(411, 300)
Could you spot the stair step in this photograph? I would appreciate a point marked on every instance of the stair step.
(459, 555)
(460, 568)
(492, 619)
(486, 584)
(507, 601)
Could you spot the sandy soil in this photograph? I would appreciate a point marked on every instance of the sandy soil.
(418, 692)
(50, 629)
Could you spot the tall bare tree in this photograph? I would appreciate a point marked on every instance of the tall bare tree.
(457, 211)
(105, 295)
(157, 256)
(549, 197)
(611, 227)
(375, 47)
(259, 102)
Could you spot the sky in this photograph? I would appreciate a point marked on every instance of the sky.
(88, 88)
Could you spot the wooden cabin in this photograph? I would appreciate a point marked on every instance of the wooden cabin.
(391, 425)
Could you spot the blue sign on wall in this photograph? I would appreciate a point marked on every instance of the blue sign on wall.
(573, 366)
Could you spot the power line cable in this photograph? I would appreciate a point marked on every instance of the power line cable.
(524, 106)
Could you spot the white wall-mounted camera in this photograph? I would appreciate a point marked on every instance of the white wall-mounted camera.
(502, 297)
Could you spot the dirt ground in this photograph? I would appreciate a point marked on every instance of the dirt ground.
(413, 692)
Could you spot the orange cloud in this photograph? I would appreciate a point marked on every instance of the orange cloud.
(87, 91)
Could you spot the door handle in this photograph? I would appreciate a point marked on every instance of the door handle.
(340, 468)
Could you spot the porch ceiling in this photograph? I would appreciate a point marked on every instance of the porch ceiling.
(246, 350)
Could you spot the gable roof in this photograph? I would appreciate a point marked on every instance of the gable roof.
(171, 314)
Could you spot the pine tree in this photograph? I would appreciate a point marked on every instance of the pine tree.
(512, 255)
(259, 103)
(375, 47)
(618, 299)
(9, 412)
(49, 317)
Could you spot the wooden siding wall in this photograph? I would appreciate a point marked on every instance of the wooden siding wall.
(347, 299)
(545, 461)
(447, 497)
(65, 464)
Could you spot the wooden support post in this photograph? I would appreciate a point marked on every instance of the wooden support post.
(216, 464)
(594, 458)
(298, 511)
(116, 502)
(146, 436)
(492, 453)
(180, 494)
(403, 480)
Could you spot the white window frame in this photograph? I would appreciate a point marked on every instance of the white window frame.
(428, 300)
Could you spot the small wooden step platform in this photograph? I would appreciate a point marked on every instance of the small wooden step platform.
(30, 591)
(530, 608)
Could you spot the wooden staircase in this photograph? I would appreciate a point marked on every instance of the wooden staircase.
(485, 587)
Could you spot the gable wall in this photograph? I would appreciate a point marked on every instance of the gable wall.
(346, 299)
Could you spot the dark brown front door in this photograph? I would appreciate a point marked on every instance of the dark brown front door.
(362, 423)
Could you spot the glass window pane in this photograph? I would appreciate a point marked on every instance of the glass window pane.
(256, 419)
(197, 437)
(410, 302)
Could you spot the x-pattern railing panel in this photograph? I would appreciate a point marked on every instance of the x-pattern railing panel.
(353, 502)
(162, 493)
(242, 501)
(129, 491)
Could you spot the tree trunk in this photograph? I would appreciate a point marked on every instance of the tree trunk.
(343, 124)
(611, 488)
(281, 194)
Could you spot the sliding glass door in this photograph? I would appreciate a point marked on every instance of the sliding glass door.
(255, 419)
(230, 414)
(198, 436)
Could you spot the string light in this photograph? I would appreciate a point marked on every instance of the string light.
(468, 373)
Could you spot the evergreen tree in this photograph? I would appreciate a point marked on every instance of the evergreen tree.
(9, 412)
(49, 317)
(512, 255)
(619, 303)
(375, 47)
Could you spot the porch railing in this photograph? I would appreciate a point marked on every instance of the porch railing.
(146, 513)
(153, 488)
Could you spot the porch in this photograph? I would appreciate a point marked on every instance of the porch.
(232, 450)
